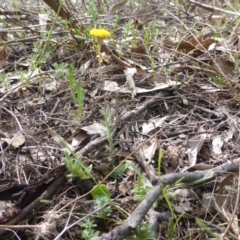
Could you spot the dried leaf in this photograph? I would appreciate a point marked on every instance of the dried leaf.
(85, 67)
(205, 44)
(60, 9)
(183, 206)
(148, 150)
(118, 6)
(62, 142)
(153, 124)
(185, 46)
(43, 18)
(129, 72)
(195, 144)
(78, 137)
(194, 41)
(139, 50)
(16, 141)
(224, 66)
(217, 144)
(196, 45)
(123, 188)
(95, 128)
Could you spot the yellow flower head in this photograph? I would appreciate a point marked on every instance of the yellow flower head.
(100, 33)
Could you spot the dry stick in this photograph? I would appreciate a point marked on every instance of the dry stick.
(139, 213)
(155, 218)
(235, 207)
(213, 9)
(31, 39)
(13, 115)
(66, 228)
(15, 12)
(212, 225)
(35, 204)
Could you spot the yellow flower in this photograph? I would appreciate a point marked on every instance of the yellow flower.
(100, 33)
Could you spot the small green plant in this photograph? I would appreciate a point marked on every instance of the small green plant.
(220, 81)
(40, 53)
(160, 155)
(126, 32)
(142, 189)
(88, 233)
(61, 69)
(142, 232)
(115, 25)
(77, 92)
(189, 80)
(106, 211)
(77, 168)
(147, 37)
(173, 221)
(127, 164)
(110, 134)
(93, 10)
(184, 100)
(102, 198)
(4, 82)
(100, 194)
(205, 228)
(176, 87)
(155, 30)
(37, 58)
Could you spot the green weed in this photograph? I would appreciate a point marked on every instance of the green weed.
(142, 188)
(207, 229)
(107, 114)
(220, 81)
(142, 232)
(77, 168)
(173, 221)
(61, 69)
(160, 155)
(77, 92)
(4, 81)
(88, 233)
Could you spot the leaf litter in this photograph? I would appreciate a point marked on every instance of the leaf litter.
(169, 74)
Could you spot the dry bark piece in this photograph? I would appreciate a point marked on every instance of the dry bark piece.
(3, 56)
(27, 194)
(59, 8)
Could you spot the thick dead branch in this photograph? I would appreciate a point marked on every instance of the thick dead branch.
(139, 213)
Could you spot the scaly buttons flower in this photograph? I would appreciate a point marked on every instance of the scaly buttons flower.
(100, 33)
